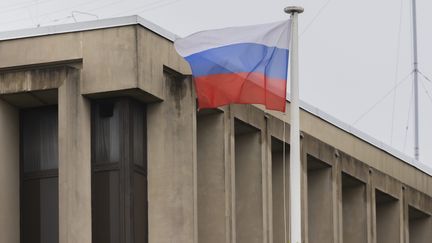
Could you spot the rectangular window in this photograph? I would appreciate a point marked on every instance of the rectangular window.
(39, 175)
(119, 179)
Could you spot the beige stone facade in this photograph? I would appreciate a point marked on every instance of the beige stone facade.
(213, 176)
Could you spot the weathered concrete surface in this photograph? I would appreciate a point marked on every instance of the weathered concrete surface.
(74, 162)
(172, 179)
(43, 49)
(211, 178)
(109, 60)
(154, 52)
(20, 81)
(9, 174)
(112, 59)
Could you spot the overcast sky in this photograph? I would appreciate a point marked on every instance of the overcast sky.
(352, 53)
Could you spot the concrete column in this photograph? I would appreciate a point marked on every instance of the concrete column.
(269, 184)
(337, 196)
(370, 209)
(280, 205)
(230, 173)
(74, 162)
(320, 203)
(304, 189)
(354, 210)
(211, 178)
(387, 215)
(405, 215)
(172, 156)
(9, 174)
(248, 187)
(265, 183)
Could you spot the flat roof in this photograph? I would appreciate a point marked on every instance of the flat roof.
(137, 20)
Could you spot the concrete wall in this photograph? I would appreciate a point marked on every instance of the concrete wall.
(9, 174)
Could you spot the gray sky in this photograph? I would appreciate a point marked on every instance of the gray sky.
(352, 53)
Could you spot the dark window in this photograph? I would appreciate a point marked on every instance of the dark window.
(106, 133)
(39, 175)
(119, 163)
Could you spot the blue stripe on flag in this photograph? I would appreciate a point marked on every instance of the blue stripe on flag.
(240, 58)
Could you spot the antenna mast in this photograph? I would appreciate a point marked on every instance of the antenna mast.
(415, 71)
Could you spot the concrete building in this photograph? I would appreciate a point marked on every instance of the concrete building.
(101, 141)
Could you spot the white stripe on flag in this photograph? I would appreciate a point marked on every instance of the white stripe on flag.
(275, 34)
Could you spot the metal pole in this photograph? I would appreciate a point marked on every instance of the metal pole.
(295, 166)
(415, 71)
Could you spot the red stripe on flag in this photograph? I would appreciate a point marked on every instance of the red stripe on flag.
(240, 88)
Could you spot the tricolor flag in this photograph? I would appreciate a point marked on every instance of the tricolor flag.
(242, 65)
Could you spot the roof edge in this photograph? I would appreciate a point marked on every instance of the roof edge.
(365, 137)
(87, 25)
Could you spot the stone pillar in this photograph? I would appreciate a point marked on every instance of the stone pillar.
(9, 174)
(74, 162)
(172, 176)
(337, 196)
(211, 178)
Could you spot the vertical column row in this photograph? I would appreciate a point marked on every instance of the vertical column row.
(230, 168)
(343, 200)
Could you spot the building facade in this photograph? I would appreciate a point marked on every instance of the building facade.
(101, 141)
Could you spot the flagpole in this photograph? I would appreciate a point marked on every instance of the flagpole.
(415, 71)
(295, 165)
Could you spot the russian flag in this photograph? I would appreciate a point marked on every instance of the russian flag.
(242, 65)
